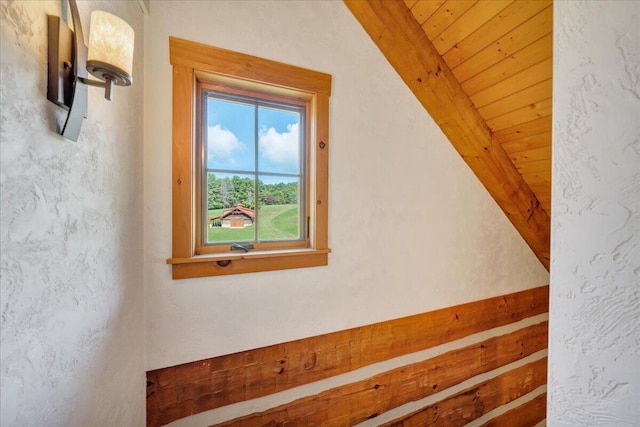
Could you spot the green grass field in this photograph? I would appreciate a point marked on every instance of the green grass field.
(276, 222)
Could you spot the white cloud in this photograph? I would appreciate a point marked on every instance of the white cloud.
(281, 149)
(222, 144)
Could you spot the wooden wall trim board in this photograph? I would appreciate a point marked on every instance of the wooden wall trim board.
(179, 391)
(406, 46)
(475, 401)
(357, 402)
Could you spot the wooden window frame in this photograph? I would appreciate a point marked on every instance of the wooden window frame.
(294, 98)
(193, 62)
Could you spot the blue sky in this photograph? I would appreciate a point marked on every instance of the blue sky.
(231, 139)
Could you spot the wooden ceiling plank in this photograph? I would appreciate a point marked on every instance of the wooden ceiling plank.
(520, 99)
(539, 166)
(496, 27)
(545, 200)
(530, 55)
(546, 197)
(516, 39)
(533, 155)
(446, 15)
(466, 24)
(423, 9)
(525, 114)
(530, 142)
(405, 45)
(410, 3)
(539, 187)
(543, 176)
(524, 130)
(520, 81)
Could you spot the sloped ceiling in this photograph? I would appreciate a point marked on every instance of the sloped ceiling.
(482, 70)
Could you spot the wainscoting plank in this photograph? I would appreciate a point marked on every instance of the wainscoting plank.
(354, 403)
(183, 390)
(472, 403)
(526, 415)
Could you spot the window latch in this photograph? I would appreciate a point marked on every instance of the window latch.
(239, 247)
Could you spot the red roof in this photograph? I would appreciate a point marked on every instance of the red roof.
(239, 210)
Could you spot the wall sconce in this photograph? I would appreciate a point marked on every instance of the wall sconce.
(109, 58)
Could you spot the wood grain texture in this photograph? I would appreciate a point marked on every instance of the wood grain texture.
(423, 9)
(445, 16)
(534, 127)
(528, 414)
(466, 24)
(357, 402)
(508, 19)
(182, 205)
(532, 111)
(320, 235)
(188, 268)
(524, 79)
(533, 94)
(535, 166)
(536, 52)
(532, 155)
(538, 177)
(396, 32)
(209, 58)
(472, 403)
(510, 43)
(527, 143)
(179, 391)
(410, 3)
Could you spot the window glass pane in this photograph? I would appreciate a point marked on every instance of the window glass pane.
(278, 212)
(233, 164)
(230, 204)
(230, 135)
(279, 140)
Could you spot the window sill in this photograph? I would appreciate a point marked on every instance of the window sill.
(250, 262)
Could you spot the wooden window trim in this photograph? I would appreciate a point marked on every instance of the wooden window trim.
(191, 61)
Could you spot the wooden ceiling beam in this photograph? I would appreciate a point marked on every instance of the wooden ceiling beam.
(398, 35)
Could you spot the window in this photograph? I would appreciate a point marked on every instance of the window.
(250, 163)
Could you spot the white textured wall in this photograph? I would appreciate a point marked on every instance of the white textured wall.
(595, 272)
(388, 160)
(71, 235)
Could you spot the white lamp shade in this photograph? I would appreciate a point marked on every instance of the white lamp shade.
(110, 48)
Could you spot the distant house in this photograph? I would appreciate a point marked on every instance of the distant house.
(236, 217)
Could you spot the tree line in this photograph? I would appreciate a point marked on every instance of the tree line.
(223, 193)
